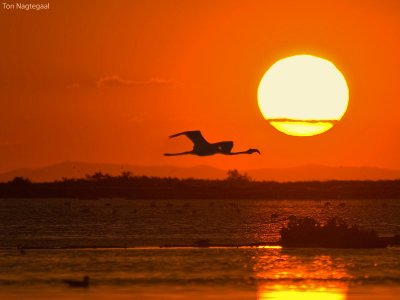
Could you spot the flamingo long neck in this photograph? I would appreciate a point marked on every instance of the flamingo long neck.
(180, 153)
(240, 152)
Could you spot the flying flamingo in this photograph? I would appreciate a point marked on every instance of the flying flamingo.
(203, 148)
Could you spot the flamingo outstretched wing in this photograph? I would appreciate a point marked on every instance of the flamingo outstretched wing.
(195, 136)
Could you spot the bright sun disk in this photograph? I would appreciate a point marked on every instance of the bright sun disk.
(303, 95)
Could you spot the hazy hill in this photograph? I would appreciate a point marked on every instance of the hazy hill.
(315, 172)
(70, 169)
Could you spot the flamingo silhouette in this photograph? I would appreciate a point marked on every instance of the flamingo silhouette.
(203, 148)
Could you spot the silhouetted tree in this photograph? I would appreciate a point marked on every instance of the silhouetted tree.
(98, 176)
(234, 175)
(126, 174)
(19, 180)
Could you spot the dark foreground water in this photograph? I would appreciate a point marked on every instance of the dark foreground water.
(142, 270)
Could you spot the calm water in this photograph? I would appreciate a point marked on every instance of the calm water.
(145, 271)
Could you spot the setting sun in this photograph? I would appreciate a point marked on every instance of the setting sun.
(303, 95)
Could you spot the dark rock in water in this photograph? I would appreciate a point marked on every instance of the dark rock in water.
(21, 250)
(202, 243)
(274, 216)
(393, 240)
(307, 232)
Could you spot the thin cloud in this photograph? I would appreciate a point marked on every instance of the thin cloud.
(9, 143)
(116, 81)
(74, 85)
(132, 118)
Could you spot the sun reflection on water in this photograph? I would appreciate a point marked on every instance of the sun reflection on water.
(289, 292)
(283, 276)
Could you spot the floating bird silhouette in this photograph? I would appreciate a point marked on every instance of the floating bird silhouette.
(203, 148)
(78, 283)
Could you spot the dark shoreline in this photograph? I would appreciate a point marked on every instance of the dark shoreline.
(389, 242)
(141, 187)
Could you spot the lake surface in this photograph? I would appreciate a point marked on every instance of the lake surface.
(141, 269)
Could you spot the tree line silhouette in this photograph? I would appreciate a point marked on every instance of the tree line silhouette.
(235, 186)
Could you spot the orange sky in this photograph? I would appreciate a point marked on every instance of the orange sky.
(109, 82)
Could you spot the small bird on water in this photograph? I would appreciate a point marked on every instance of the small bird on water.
(78, 283)
(202, 147)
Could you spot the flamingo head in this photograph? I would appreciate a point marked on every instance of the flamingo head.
(251, 151)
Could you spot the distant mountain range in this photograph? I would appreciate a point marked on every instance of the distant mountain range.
(72, 169)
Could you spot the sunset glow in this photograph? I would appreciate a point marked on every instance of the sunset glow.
(200, 150)
(113, 89)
